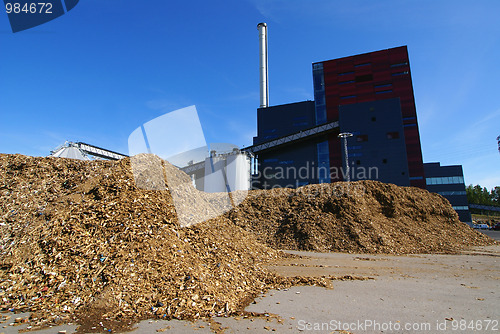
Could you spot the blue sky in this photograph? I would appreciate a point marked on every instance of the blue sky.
(106, 67)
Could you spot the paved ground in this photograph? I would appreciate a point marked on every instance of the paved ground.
(409, 294)
(492, 234)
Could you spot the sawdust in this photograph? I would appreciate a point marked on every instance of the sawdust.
(82, 242)
(364, 217)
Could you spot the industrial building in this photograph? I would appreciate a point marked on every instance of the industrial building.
(371, 97)
(341, 86)
(368, 96)
(448, 181)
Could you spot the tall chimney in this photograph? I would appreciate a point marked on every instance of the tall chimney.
(264, 77)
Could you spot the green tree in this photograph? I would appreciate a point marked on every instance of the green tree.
(495, 195)
(479, 195)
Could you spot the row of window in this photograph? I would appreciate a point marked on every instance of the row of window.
(367, 64)
(384, 91)
(399, 64)
(319, 93)
(283, 162)
(389, 135)
(452, 193)
(409, 118)
(367, 77)
(465, 207)
(445, 180)
(323, 160)
(383, 85)
(363, 78)
(358, 162)
(377, 92)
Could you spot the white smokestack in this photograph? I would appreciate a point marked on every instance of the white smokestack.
(264, 78)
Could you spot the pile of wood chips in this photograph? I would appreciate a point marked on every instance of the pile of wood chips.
(360, 217)
(80, 238)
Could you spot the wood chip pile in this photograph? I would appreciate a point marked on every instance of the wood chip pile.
(79, 238)
(366, 217)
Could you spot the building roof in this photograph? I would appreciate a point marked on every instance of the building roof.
(70, 152)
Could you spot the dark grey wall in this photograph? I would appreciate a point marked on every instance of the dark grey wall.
(291, 166)
(278, 121)
(378, 140)
(282, 167)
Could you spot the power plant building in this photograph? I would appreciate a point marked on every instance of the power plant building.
(369, 96)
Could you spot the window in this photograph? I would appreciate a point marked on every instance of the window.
(363, 64)
(399, 73)
(383, 85)
(364, 78)
(444, 180)
(354, 155)
(347, 97)
(384, 91)
(346, 73)
(393, 135)
(318, 66)
(323, 162)
(460, 207)
(452, 193)
(270, 160)
(362, 138)
(346, 82)
(399, 64)
(270, 137)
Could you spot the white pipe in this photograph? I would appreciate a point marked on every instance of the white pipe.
(264, 77)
